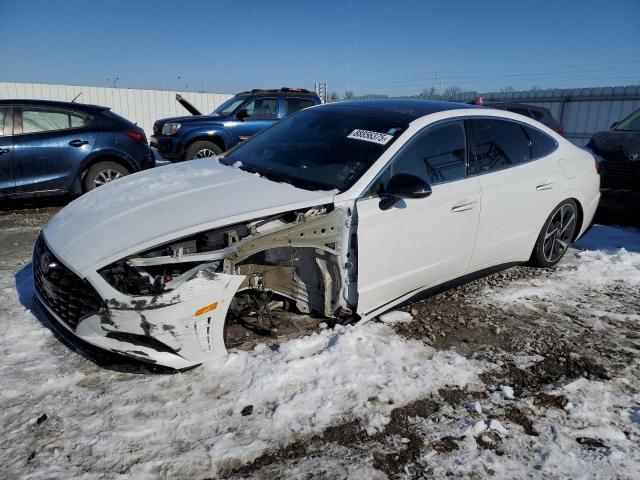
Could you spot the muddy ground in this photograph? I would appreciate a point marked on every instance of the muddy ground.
(535, 348)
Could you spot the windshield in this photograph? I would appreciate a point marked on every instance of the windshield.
(228, 107)
(320, 149)
(632, 122)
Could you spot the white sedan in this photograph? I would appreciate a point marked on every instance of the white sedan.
(341, 211)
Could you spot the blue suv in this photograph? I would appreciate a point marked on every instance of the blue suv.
(247, 113)
(50, 148)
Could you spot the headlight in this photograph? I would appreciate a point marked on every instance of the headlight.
(170, 128)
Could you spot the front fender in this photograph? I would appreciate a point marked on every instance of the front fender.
(202, 133)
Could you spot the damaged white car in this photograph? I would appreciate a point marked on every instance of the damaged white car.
(337, 214)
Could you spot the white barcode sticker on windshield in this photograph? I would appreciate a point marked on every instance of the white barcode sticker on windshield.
(369, 136)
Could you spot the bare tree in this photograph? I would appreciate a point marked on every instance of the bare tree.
(507, 89)
(429, 92)
(452, 91)
(348, 95)
(536, 88)
(333, 97)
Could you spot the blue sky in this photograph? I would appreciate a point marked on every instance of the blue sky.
(391, 47)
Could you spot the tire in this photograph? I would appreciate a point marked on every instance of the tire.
(202, 149)
(557, 234)
(103, 172)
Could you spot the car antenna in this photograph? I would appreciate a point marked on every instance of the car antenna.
(76, 97)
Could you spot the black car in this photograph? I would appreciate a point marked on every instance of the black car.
(619, 152)
(541, 114)
(244, 115)
(50, 148)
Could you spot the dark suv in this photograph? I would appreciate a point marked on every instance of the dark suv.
(619, 152)
(49, 148)
(247, 113)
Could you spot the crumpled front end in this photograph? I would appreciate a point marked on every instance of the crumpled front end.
(178, 329)
(169, 305)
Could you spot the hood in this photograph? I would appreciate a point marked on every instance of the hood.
(188, 119)
(615, 144)
(155, 206)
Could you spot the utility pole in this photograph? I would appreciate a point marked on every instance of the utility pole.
(321, 90)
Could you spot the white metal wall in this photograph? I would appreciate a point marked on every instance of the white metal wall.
(582, 111)
(142, 107)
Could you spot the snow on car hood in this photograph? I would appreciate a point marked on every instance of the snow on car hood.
(155, 206)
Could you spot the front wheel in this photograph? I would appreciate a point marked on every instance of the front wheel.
(103, 172)
(202, 149)
(556, 235)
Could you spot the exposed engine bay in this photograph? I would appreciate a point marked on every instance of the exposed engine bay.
(300, 262)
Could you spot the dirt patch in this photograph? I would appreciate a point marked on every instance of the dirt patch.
(550, 401)
(459, 396)
(446, 444)
(559, 363)
(516, 416)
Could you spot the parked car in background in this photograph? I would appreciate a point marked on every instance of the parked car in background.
(355, 207)
(247, 113)
(51, 148)
(541, 114)
(619, 152)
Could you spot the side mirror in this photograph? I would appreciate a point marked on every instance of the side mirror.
(613, 125)
(242, 114)
(401, 186)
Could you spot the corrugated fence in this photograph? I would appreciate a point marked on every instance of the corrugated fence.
(142, 107)
(582, 111)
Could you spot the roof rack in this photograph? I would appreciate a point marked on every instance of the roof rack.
(276, 90)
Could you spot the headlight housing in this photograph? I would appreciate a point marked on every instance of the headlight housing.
(170, 128)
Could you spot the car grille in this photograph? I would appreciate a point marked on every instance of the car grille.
(619, 169)
(66, 294)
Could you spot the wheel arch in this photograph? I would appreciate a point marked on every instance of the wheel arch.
(78, 186)
(580, 218)
(215, 138)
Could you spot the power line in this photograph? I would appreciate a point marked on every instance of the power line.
(568, 69)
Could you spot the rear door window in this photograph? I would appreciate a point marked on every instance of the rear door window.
(292, 105)
(36, 120)
(521, 111)
(541, 143)
(499, 144)
(262, 109)
(537, 115)
(3, 120)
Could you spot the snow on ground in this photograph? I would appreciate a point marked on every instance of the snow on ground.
(590, 275)
(204, 421)
(62, 416)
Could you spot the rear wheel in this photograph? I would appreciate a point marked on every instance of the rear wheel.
(556, 235)
(202, 149)
(103, 172)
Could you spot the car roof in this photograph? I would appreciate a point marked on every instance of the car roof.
(79, 107)
(404, 110)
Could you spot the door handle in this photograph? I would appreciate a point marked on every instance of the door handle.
(545, 186)
(78, 143)
(4, 150)
(463, 207)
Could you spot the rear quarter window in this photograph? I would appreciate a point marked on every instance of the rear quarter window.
(541, 143)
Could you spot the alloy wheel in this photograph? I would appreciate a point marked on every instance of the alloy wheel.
(559, 233)
(106, 176)
(205, 153)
